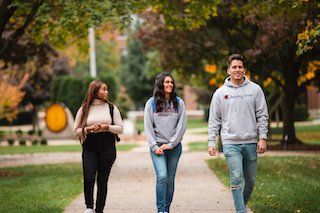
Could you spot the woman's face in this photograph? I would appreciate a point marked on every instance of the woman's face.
(103, 92)
(168, 85)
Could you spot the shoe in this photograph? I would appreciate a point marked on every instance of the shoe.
(89, 211)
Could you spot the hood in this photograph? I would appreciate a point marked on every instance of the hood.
(228, 83)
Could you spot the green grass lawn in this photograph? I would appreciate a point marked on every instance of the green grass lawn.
(38, 189)
(60, 148)
(198, 146)
(196, 123)
(203, 146)
(307, 134)
(283, 185)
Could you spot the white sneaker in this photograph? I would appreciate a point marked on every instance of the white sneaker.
(89, 211)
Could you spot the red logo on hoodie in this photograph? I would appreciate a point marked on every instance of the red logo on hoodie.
(226, 97)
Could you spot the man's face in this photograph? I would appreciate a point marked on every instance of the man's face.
(236, 71)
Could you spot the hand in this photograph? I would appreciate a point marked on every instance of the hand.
(158, 151)
(96, 127)
(164, 147)
(104, 126)
(89, 129)
(93, 128)
(212, 151)
(262, 146)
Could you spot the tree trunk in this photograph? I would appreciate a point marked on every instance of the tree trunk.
(34, 118)
(289, 132)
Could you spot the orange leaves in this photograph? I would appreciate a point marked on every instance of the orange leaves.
(308, 38)
(11, 96)
(212, 82)
(210, 68)
(219, 76)
(313, 67)
(267, 82)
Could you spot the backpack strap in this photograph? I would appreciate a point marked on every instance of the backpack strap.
(153, 103)
(111, 108)
(178, 100)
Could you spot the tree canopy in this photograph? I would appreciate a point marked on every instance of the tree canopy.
(266, 32)
(26, 25)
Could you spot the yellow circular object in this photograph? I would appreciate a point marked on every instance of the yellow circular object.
(56, 118)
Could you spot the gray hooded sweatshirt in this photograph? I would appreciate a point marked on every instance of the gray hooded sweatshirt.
(239, 112)
(166, 127)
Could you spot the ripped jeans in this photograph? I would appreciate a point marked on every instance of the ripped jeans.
(242, 164)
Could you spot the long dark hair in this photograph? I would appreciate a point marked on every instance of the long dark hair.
(158, 92)
(92, 93)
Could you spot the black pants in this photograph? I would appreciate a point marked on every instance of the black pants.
(98, 156)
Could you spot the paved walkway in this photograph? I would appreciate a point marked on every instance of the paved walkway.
(132, 180)
(132, 186)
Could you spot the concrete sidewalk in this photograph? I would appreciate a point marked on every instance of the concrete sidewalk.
(132, 180)
(132, 186)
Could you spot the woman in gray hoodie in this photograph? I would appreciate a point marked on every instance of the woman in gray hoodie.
(165, 125)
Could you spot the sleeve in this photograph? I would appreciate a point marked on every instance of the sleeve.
(181, 126)
(77, 131)
(214, 123)
(117, 127)
(262, 114)
(148, 126)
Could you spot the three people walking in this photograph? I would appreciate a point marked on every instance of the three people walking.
(238, 112)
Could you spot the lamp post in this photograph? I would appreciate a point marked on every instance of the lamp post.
(93, 68)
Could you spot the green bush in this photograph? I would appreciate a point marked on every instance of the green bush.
(2, 134)
(34, 142)
(71, 91)
(124, 104)
(10, 141)
(22, 142)
(31, 132)
(19, 132)
(39, 132)
(66, 90)
(44, 141)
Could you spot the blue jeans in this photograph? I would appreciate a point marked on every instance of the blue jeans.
(165, 167)
(242, 164)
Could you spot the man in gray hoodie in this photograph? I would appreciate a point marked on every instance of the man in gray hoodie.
(238, 111)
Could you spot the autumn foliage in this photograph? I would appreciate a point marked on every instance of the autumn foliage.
(11, 96)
